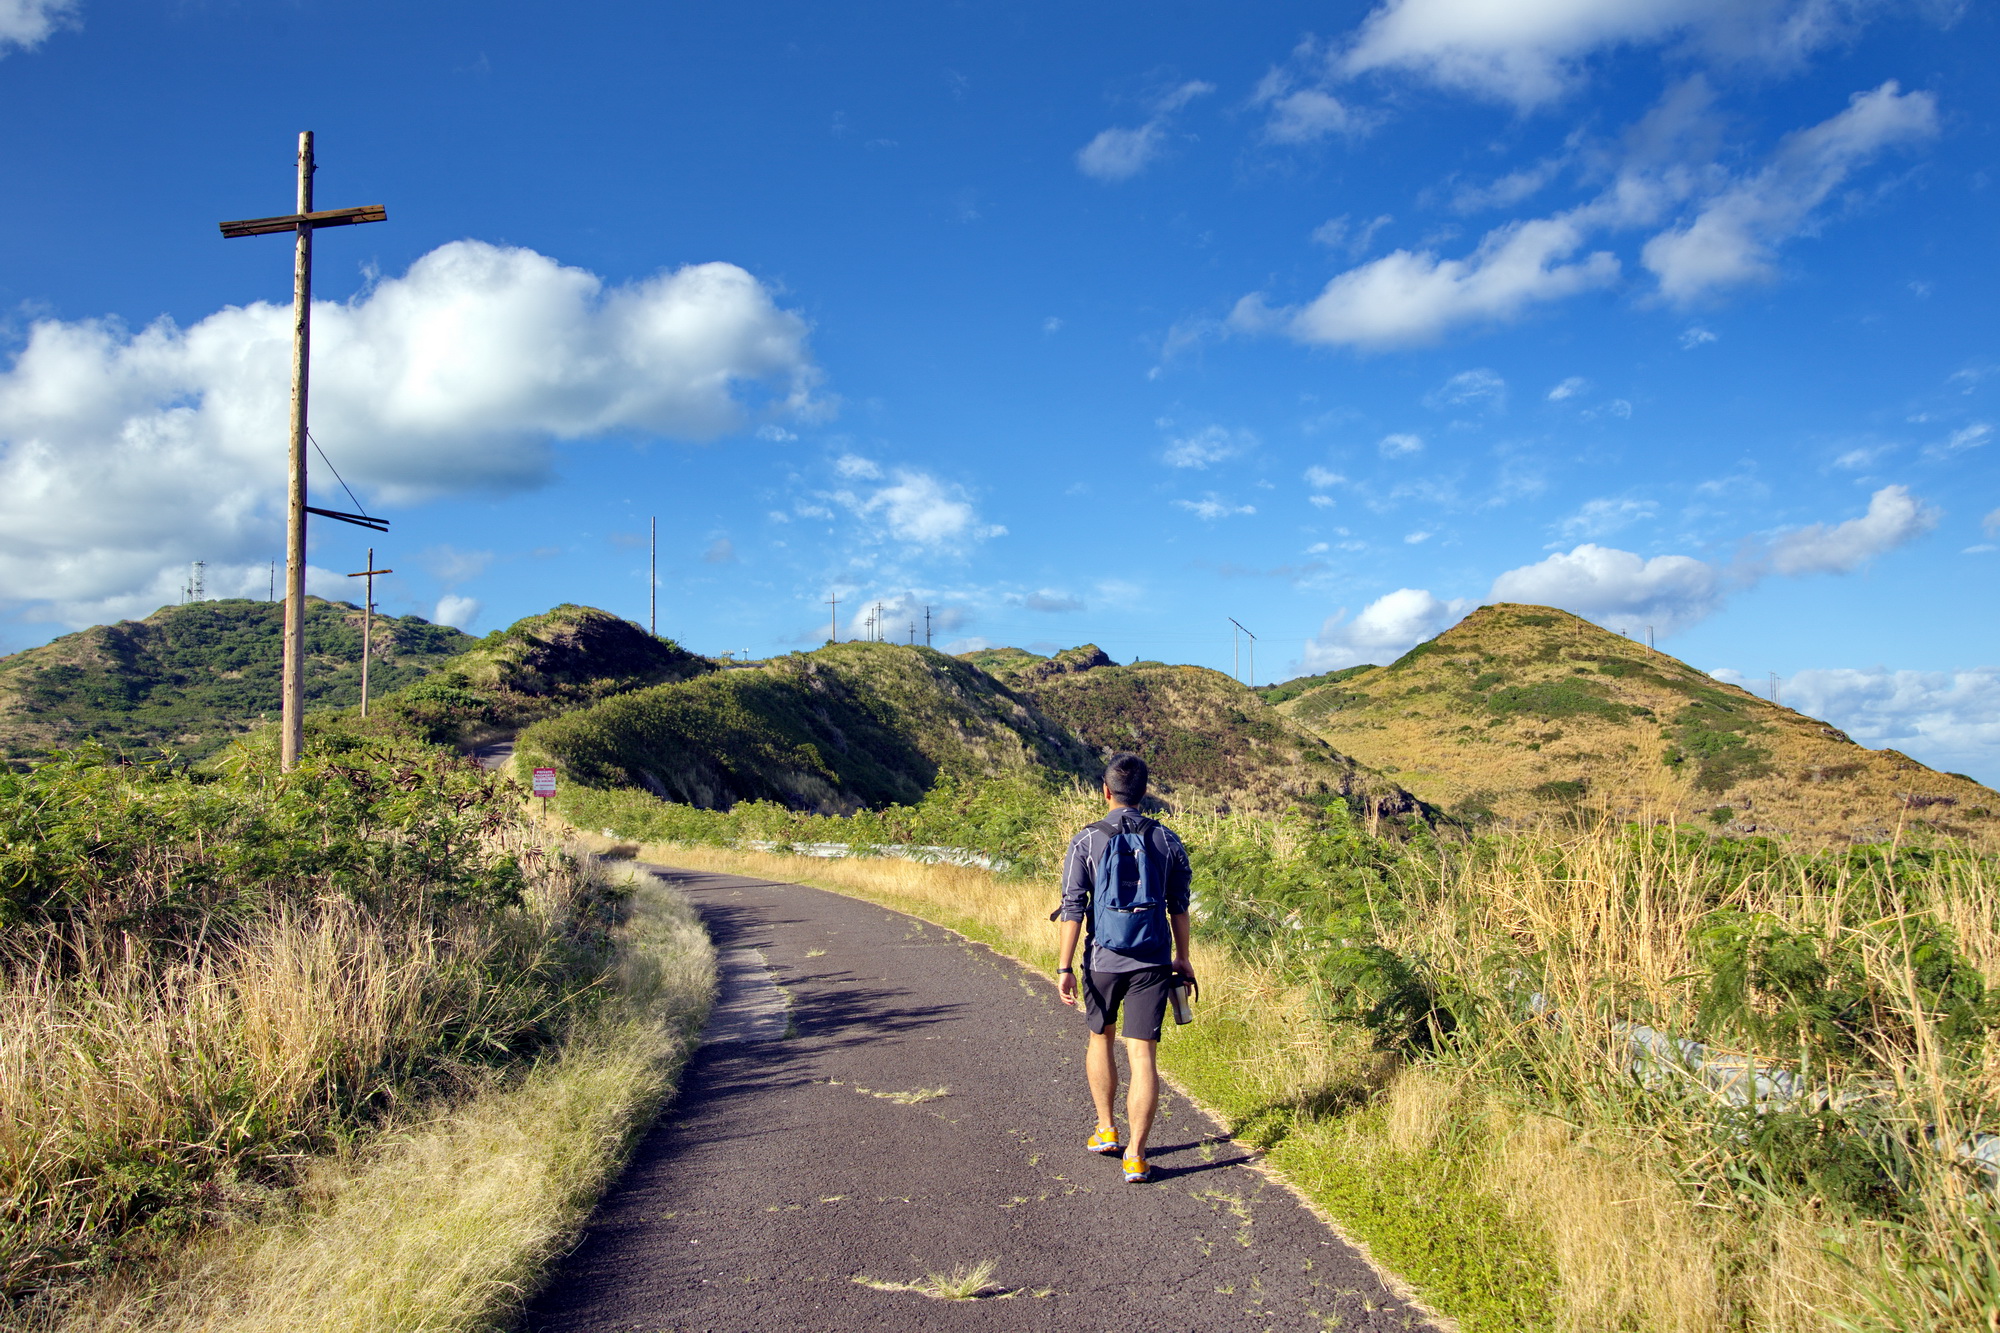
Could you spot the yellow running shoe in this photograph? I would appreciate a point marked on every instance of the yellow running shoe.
(1137, 1171)
(1104, 1141)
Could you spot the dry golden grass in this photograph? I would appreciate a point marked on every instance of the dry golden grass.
(132, 1071)
(445, 1221)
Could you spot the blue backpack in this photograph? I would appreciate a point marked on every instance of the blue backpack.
(1128, 907)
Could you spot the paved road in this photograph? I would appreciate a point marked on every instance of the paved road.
(909, 1103)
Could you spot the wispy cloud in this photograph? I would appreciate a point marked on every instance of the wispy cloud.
(1212, 508)
(1481, 388)
(1721, 230)
(1211, 444)
(1122, 152)
(1298, 101)
(1601, 517)
(1734, 237)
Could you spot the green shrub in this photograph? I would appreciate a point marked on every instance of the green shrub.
(1552, 699)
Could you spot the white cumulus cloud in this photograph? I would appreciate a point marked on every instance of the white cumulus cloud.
(123, 454)
(1387, 628)
(1396, 446)
(1734, 236)
(26, 23)
(456, 611)
(1529, 52)
(1618, 588)
(917, 509)
(1409, 297)
(1948, 719)
(1894, 517)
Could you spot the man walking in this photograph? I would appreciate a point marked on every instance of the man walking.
(1127, 878)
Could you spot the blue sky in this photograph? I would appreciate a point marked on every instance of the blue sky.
(1068, 322)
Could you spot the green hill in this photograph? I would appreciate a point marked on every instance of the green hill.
(193, 677)
(543, 665)
(1210, 742)
(1518, 711)
(834, 730)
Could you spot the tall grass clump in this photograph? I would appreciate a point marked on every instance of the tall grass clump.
(447, 1217)
(207, 977)
(1589, 1075)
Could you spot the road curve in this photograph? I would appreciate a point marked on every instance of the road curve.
(810, 1155)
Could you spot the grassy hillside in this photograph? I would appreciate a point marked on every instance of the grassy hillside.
(846, 726)
(567, 657)
(1521, 711)
(1211, 742)
(193, 677)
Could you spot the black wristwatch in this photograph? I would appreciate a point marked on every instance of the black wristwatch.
(1061, 970)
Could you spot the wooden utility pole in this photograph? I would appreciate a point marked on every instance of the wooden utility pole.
(833, 627)
(927, 627)
(368, 623)
(303, 224)
(653, 577)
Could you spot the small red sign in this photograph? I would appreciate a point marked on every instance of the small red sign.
(545, 782)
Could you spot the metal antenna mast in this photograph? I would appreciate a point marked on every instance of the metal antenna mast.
(927, 627)
(302, 224)
(652, 576)
(833, 625)
(1253, 652)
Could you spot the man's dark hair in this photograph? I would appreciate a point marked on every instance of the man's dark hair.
(1125, 778)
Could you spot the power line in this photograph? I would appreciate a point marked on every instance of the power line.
(359, 508)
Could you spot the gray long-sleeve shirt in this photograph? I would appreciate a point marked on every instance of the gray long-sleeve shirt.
(1086, 849)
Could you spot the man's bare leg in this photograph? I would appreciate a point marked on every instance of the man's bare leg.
(1103, 1073)
(1142, 1098)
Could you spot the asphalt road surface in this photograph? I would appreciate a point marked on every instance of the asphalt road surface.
(888, 1101)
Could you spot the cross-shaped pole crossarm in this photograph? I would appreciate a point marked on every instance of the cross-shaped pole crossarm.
(358, 520)
(332, 217)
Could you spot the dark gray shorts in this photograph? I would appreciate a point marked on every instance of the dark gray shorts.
(1142, 995)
